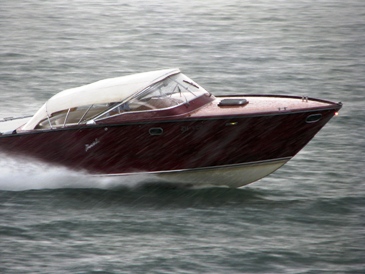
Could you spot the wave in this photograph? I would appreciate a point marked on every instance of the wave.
(22, 174)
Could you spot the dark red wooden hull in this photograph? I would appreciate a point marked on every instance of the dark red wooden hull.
(170, 144)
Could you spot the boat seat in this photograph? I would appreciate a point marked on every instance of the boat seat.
(164, 102)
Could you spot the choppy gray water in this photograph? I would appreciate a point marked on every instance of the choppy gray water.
(308, 217)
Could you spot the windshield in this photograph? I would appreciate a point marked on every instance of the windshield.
(172, 91)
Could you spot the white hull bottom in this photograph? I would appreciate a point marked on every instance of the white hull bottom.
(229, 176)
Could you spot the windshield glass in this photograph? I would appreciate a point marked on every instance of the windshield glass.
(172, 91)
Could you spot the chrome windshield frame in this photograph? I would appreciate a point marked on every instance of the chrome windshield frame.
(183, 83)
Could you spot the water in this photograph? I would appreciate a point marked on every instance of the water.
(308, 217)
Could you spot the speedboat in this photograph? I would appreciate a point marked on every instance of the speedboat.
(165, 124)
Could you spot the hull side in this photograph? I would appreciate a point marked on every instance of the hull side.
(176, 144)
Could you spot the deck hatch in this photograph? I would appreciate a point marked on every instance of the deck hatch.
(232, 102)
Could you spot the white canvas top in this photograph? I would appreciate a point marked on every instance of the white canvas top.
(104, 91)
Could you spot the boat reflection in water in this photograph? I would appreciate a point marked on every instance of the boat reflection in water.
(164, 123)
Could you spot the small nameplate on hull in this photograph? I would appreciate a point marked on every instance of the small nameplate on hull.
(232, 102)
